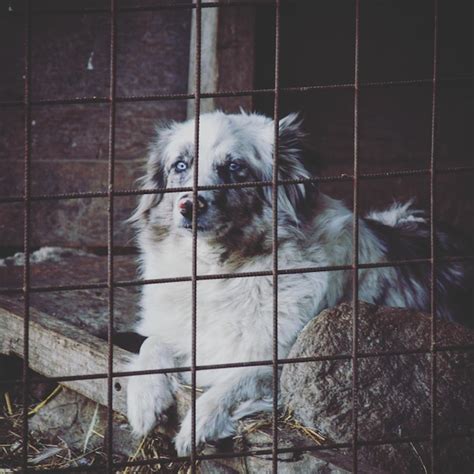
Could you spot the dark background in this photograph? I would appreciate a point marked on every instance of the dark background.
(396, 44)
(70, 142)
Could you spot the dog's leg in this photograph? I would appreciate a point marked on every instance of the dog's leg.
(218, 408)
(149, 396)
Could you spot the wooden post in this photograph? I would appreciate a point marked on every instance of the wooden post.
(227, 57)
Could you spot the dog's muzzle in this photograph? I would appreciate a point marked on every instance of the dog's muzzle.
(186, 206)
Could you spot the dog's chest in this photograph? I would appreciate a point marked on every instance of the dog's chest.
(234, 316)
(231, 315)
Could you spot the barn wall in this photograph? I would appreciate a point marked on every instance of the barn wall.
(70, 142)
(317, 47)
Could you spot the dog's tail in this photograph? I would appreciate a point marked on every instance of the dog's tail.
(406, 233)
(399, 214)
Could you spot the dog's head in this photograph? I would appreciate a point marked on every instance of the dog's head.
(232, 149)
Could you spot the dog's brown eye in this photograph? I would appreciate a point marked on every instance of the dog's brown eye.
(180, 166)
(235, 167)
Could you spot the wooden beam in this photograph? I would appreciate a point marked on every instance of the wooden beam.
(227, 57)
(59, 349)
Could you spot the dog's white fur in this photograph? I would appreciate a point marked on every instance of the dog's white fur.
(235, 316)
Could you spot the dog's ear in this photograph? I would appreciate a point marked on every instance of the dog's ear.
(154, 178)
(292, 148)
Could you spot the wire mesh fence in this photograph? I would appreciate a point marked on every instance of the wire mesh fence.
(30, 16)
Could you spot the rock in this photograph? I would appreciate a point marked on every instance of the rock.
(81, 423)
(394, 391)
(320, 462)
(70, 416)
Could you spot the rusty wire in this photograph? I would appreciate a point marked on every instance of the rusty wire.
(275, 190)
(157, 7)
(355, 248)
(26, 231)
(225, 94)
(256, 363)
(112, 99)
(433, 252)
(110, 229)
(344, 177)
(221, 276)
(197, 116)
(263, 452)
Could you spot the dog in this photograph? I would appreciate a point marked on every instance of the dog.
(234, 235)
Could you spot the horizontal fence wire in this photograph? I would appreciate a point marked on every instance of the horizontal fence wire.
(256, 363)
(222, 276)
(152, 8)
(344, 177)
(312, 448)
(229, 94)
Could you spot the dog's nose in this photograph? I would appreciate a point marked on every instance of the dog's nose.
(186, 206)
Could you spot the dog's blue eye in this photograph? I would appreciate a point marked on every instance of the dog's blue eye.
(234, 167)
(180, 166)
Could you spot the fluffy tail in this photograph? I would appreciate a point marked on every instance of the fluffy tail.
(399, 214)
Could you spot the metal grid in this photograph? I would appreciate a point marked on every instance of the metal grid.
(111, 193)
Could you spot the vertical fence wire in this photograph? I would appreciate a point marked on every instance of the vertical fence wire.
(355, 247)
(26, 230)
(197, 113)
(110, 229)
(433, 427)
(276, 115)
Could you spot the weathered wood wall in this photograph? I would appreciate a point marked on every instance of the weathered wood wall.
(70, 142)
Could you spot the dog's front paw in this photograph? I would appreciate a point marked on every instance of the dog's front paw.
(182, 441)
(211, 424)
(148, 397)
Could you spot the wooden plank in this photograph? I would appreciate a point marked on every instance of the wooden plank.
(236, 56)
(70, 142)
(86, 309)
(68, 329)
(60, 349)
(209, 71)
(227, 57)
